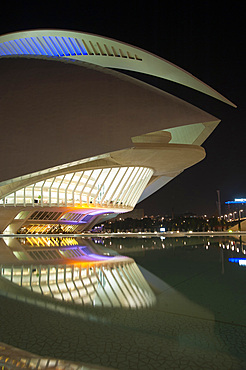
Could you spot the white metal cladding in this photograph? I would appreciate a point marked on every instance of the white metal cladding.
(70, 45)
(63, 46)
(113, 284)
(107, 187)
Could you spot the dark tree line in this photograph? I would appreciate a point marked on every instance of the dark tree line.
(181, 223)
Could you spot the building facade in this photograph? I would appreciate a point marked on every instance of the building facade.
(82, 142)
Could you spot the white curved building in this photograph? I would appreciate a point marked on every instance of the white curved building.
(62, 101)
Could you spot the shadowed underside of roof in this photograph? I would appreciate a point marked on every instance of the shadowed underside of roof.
(54, 113)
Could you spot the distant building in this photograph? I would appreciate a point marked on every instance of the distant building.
(235, 208)
(135, 214)
(120, 139)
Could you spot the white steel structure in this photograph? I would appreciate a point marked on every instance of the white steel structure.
(100, 51)
(100, 187)
(120, 139)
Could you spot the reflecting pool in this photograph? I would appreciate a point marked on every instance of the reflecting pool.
(147, 303)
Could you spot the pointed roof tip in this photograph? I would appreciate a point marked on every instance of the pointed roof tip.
(232, 104)
(220, 97)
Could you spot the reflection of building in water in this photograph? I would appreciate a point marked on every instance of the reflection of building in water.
(75, 274)
(121, 139)
(14, 358)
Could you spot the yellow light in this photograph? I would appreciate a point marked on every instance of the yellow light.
(35, 241)
(29, 240)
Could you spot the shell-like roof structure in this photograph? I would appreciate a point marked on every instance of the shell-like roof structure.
(82, 135)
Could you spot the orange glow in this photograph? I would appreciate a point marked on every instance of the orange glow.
(29, 240)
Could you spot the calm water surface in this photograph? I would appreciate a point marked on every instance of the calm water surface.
(200, 268)
(198, 320)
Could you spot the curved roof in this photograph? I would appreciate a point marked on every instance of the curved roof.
(66, 112)
(81, 113)
(100, 51)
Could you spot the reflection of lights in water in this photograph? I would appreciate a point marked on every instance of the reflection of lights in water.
(115, 283)
(240, 261)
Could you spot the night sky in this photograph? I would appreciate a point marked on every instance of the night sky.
(205, 39)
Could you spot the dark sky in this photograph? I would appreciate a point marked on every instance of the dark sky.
(203, 38)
